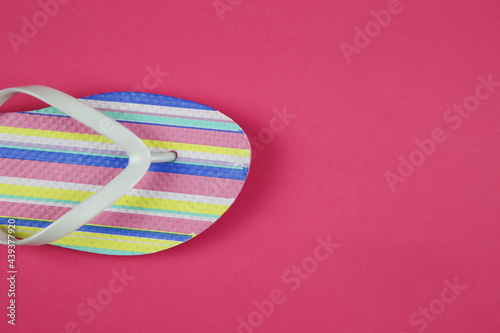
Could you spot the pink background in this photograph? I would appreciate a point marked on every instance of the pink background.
(322, 175)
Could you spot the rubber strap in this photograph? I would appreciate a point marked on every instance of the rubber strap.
(139, 161)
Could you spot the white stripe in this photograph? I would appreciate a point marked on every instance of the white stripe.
(237, 160)
(157, 109)
(133, 192)
(111, 209)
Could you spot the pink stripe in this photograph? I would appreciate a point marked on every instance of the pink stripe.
(145, 132)
(114, 219)
(29, 211)
(154, 223)
(92, 175)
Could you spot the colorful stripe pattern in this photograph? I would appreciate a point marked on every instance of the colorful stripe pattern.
(50, 162)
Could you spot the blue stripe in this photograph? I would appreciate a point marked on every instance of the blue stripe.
(148, 99)
(102, 251)
(105, 230)
(121, 163)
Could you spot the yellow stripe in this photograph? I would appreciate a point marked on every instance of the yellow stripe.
(126, 200)
(100, 138)
(114, 242)
(197, 148)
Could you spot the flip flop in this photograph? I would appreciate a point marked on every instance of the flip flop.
(120, 173)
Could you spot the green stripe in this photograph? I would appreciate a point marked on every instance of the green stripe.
(112, 206)
(157, 120)
(166, 211)
(102, 251)
(39, 199)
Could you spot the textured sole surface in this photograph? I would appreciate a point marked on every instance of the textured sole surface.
(50, 162)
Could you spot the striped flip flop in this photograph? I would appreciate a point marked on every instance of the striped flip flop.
(117, 173)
